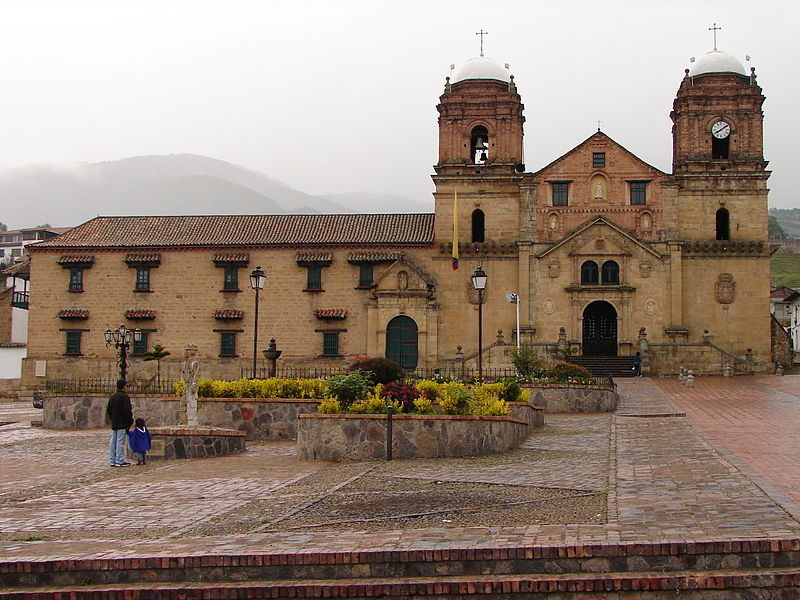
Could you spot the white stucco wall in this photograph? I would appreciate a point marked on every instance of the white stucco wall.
(11, 362)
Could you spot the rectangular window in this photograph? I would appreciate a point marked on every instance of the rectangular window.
(638, 192)
(231, 278)
(142, 279)
(560, 193)
(314, 281)
(75, 280)
(140, 347)
(73, 343)
(227, 343)
(330, 343)
(598, 160)
(16, 252)
(365, 275)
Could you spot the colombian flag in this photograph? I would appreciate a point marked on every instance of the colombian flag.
(455, 231)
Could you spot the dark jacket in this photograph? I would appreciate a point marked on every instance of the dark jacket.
(120, 411)
(139, 439)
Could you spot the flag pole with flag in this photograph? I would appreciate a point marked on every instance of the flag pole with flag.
(455, 230)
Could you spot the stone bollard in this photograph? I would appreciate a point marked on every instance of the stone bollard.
(727, 370)
(689, 379)
(779, 369)
(682, 375)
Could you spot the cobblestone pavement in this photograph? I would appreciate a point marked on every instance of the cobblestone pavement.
(659, 475)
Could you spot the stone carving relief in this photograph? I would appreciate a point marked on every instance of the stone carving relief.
(402, 280)
(191, 376)
(600, 244)
(553, 222)
(644, 269)
(646, 222)
(554, 270)
(725, 289)
(650, 307)
(549, 306)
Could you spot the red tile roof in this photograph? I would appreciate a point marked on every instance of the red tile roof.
(241, 258)
(331, 313)
(247, 230)
(21, 270)
(76, 259)
(228, 314)
(73, 313)
(314, 257)
(140, 314)
(372, 257)
(140, 258)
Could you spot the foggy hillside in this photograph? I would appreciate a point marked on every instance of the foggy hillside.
(69, 194)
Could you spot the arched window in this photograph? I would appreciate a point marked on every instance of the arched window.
(610, 273)
(479, 144)
(723, 224)
(589, 273)
(478, 225)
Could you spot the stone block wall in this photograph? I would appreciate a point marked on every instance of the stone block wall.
(178, 442)
(573, 399)
(363, 437)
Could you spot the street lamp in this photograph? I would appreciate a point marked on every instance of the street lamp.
(479, 283)
(257, 279)
(121, 338)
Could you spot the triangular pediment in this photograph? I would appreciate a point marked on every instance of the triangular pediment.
(404, 277)
(571, 161)
(584, 240)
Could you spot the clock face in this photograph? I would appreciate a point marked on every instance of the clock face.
(720, 130)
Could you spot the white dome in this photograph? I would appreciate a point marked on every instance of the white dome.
(481, 67)
(717, 62)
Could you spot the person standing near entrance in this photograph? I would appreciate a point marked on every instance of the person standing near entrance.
(637, 365)
(120, 412)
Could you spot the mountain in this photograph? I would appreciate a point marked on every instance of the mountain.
(72, 193)
(788, 219)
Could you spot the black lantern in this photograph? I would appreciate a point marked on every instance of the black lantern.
(121, 338)
(479, 283)
(257, 281)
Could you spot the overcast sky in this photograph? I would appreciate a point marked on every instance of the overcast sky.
(340, 96)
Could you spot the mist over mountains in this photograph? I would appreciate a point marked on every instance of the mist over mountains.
(72, 193)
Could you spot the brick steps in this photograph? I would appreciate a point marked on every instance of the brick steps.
(770, 566)
(616, 366)
(735, 582)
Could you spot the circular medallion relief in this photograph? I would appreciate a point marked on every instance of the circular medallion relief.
(549, 306)
(650, 307)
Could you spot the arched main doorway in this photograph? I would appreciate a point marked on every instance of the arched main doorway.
(600, 329)
(401, 342)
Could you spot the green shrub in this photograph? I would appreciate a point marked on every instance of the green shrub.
(350, 387)
(511, 391)
(401, 392)
(274, 387)
(526, 361)
(329, 406)
(565, 370)
(486, 400)
(423, 406)
(455, 398)
(383, 370)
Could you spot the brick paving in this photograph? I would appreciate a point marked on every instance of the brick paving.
(727, 470)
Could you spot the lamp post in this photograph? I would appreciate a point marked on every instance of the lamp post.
(479, 283)
(257, 279)
(121, 338)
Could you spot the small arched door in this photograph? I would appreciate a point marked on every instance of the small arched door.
(401, 342)
(600, 329)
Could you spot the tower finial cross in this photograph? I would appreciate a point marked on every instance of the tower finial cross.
(598, 124)
(482, 33)
(715, 29)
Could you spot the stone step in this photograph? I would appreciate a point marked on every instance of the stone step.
(468, 562)
(737, 584)
(616, 366)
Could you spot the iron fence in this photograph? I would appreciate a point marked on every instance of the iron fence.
(104, 385)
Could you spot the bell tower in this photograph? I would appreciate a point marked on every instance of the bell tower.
(480, 155)
(718, 152)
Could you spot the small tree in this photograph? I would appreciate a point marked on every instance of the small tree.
(526, 361)
(157, 353)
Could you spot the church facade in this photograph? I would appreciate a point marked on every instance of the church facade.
(603, 250)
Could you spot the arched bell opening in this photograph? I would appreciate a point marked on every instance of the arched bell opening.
(479, 143)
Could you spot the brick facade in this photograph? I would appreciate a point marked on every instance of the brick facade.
(665, 260)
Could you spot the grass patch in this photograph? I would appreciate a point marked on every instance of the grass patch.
(785, 268)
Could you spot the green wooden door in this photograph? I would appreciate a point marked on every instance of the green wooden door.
(401, 342)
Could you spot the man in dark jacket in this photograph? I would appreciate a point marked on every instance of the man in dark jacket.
(120, 413)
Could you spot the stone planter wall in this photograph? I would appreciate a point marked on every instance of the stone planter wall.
(194, 442)
(258, 418)
(574, 399)
(530, 413)
(363, 437)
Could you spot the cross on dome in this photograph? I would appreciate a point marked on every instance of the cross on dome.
(715, 29)
(482, 33)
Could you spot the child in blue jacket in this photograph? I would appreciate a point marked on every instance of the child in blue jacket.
(139, 441)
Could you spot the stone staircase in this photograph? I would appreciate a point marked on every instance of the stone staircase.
(616, 366)
(733, 570)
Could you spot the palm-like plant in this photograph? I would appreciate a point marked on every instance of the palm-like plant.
(157, 353)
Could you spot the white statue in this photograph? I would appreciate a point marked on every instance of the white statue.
(191, 373)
